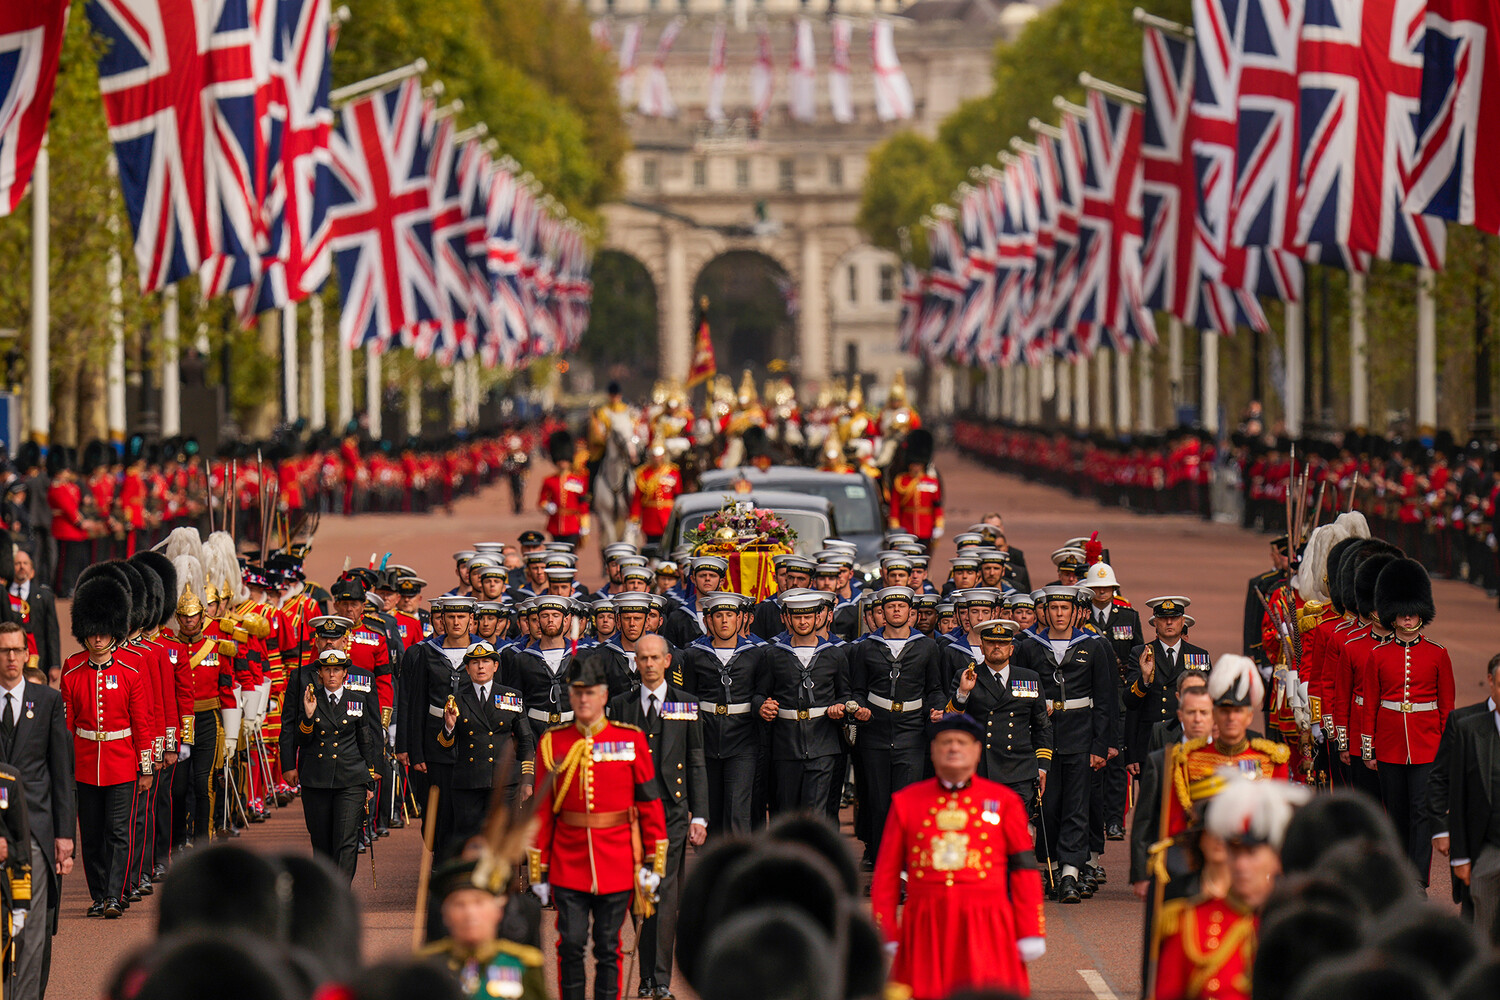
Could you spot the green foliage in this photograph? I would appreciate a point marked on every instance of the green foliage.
(907, 175)
(622, 323)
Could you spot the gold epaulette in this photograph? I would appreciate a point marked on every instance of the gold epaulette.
(1278, 752)
(1427, 640)
(433, 949)
(1170, 919)
(227, 647)
(527, 955)
(626, 725)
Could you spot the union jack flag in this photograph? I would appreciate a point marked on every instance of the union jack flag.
(1066, 167)
(1361, 81)
(1172, 239)
(31, 36)
(979, 273)
(1109, 283)
(1019, 253)
(507, 335)
(945, 291)
(381, 214)
(1041, 166)
(1216, 128)
(1460, 112)
(178, 83)
(295, 210)
(476, 175)
(450, 241)
(913, 290)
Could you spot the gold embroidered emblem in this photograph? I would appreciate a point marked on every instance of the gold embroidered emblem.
(950, 852)
(951, 817)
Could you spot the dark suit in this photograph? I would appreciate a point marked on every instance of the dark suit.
(676, 741)
(1474, 814)
(41, 751)
(336, 762)
(43, 627)
(1437, 789)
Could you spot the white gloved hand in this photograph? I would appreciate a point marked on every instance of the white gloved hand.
(1032, 948)
(543, 891)
(648, 880)
(890, 950)
(550, 507)
(937, 532)
(583, 531)
(17, 921)
(184, 751)
(390, 734)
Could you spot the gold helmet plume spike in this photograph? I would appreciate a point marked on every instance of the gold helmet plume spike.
(897, 395)
(188, 604)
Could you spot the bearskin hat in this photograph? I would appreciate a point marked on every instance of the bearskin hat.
(101, 606)
(919, 447)
(156, 594)
(1404, 589)
(28, 456)
(128, 577)
(153, 562)
(560, 447)
(1365, 576)
(1343, 600)
(58, 460)
(756, 441)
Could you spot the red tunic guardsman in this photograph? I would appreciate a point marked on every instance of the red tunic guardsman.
(1408, 695)
(657, 487)
(108, 711)
(916, 496)
(601, 831)
(565, 494)
(1208, 944)
(973, 915)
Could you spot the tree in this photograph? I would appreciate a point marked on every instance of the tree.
(907, 175)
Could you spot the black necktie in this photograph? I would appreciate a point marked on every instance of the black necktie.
(653, 717)
(8, 720)
(1171, 660)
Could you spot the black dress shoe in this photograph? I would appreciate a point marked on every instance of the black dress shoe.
(1087, 888)
(1067, 892)
(1115, 832)
(1096, 872)
(134, 895)
(112, 909)
(95, 910)
(647, 990)
(158, 873)
(663, 993)
(146, 887)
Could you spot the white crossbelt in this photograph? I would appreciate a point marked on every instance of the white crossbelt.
(554, 717)
(896, 707)
(1406, 707)
(801, 713)
(100, 736)
(1073, 703)
(735, 708)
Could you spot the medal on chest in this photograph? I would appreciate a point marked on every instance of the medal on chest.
(504, 982)
(613, 750)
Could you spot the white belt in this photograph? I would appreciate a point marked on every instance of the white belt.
(802, 714)
(436, 711)
(100, 736)
(1072, 703)
(552, 717)
(1407, 707)
(737, 708)
(896, 707)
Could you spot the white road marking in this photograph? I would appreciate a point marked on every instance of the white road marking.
(1096, 983)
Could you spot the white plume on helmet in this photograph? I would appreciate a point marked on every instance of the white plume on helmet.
(189, 573)
(1236, 676)
(1254, 809)
(221, 565)
(185, 542)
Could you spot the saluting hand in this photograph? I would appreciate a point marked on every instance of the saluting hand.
(968, 680)
(309, 702)
(1148, 664)
(450, 716)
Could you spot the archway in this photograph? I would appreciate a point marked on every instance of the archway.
(620, 342)
(752, 312)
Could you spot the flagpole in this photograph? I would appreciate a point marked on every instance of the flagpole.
(1145, 414)
(40, 363)
(171, 381)
(1209, 401)
(1359, 359)
(1174, 362)
(114, 373)
(1426, 353)
(1122, 391)
(413, 405)
(1103, 418)
(374, 392)
(1092, 82)
(289, 359)
(344, 95)
(316, 403)
(1294, 363)
(1081, 394)
(346, 385)
(1145, 20)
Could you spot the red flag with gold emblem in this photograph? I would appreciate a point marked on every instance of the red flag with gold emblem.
(704, 367)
